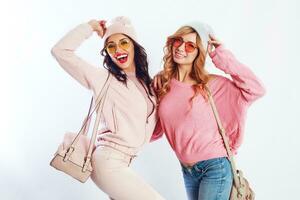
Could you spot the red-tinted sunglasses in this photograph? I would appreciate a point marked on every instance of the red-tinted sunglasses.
(178, 41)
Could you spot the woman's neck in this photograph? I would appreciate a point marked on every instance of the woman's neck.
(130, 69)
(183, 74)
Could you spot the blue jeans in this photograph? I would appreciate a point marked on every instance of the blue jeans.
(208, 180)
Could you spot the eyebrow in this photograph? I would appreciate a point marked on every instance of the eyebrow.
(119, 40)
(188, 41)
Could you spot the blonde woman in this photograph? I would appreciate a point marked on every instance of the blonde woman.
(186, 117)
(129, 108)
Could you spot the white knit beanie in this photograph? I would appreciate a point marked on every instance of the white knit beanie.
(121, 25)
(203, 30)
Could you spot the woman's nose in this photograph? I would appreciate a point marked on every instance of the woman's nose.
(182, 47)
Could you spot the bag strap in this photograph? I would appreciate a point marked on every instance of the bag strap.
(87, 120)
(84, 128)
(86, 123)
(99, 109)
(225, 139)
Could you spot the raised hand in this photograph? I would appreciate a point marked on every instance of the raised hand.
(213, 43)
(98, 26)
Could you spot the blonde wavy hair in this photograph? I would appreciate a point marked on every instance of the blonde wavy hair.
(198, 73)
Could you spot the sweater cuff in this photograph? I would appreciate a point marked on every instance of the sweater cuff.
(89, 27)
(86, 29)
(216, 51)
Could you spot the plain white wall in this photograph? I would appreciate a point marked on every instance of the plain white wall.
(39, 101)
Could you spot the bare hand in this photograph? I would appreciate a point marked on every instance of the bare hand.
(213, 43)
(98, 26)
(157, 81)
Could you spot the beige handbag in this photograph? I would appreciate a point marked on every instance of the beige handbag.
(240, 188)
(73, 156)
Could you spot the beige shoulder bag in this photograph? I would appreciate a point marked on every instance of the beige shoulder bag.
(240, 188)
(73, 156)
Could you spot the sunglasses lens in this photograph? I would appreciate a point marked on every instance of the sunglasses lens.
(189, 47)
(111, 48)
(124, 44)
(177, 42)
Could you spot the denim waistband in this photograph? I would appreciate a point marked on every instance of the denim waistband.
(201, 164)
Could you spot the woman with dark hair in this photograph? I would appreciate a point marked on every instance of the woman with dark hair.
(185, 113)
(128, 114)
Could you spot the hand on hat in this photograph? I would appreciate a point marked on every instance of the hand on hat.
(213, 43)
(98, 26)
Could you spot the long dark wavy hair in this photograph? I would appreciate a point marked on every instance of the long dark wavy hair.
(141, 63)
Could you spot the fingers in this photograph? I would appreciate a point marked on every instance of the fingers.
(101, 28)
(214, 41)
(102, 22)
(100, 34)
(159, 82)
(209, 47)
(155, 83)
(212, 37)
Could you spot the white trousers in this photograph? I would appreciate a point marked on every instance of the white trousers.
(112, 174)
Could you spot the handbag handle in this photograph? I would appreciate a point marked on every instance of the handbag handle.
(225, 139)
(84, 128)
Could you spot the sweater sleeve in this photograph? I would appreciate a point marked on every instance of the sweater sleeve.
(250, 86)
(64, 52)
(158, 132)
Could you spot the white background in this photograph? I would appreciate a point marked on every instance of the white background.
(39, 101)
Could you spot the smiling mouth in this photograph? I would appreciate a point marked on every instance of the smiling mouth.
(179, 55)
(122, 58)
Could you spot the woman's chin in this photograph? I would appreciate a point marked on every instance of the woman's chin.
(182, 61)
(179, 61)
(123, 66)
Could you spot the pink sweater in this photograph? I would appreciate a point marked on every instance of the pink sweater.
(193, 135)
